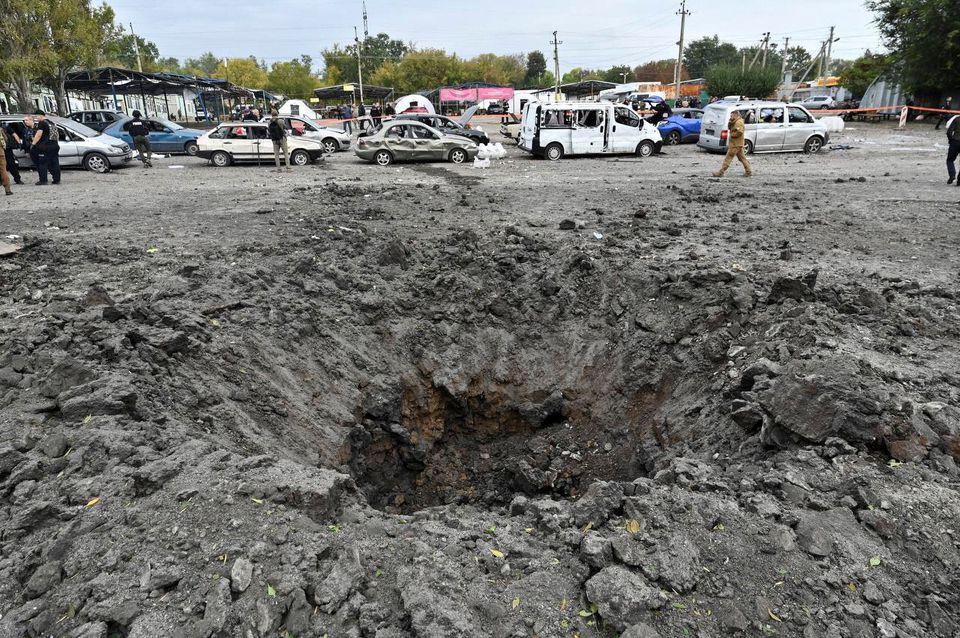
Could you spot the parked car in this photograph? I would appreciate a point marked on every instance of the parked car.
(233, 142)
(818, 102)
(510, 126)
(681, 127)
(165, 136)
(769, 127)
(497, 108)
(409, 140)
(560, 129)
(98, 120)
(297, 126)
(450, 126)
(80, 145)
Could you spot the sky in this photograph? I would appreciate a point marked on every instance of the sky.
(594, 33)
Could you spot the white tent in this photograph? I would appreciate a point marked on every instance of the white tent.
(298, 107)
(413, 101)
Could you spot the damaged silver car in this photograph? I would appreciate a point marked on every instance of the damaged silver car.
(400, 140)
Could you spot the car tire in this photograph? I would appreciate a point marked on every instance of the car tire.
(300, 157)
(674, 138)
(221, 159)
(383, 158)
(814, 145)
(825, 107)
(96, 163)
(457, 156)
(191, 149)
(748, 147)
(553, 152)
(646, 148)
(330, 145)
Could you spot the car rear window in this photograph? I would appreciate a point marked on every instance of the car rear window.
(714, 117)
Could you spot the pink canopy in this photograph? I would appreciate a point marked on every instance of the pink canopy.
(476, 95)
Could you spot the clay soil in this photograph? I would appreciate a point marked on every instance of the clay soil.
(598, 397)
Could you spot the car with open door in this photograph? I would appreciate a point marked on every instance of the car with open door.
(681, 127)
(236, 142)
(165, 136)
(449, 126)
(298, 126)
(407, 140)
(80, 145)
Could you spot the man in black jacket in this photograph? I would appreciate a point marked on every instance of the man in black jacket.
(278, 134)
(139, 130)
(46, 146)
(953, 148)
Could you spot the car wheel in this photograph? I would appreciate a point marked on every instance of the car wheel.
(673, 139)
(458, 156)
(646, 148)
(383, 158)
(221, 159)
(554, 152)
(813, 145)
(300, 158)
(825, 107)
(748, 147)
(96, 163)
(330, 145)
(191, 148)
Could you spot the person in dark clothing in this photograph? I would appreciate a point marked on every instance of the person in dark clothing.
(347, 116)
(11, 141)
(278, 135)
(140, 132)
(389, 111)
(944, 117)
(46, 144)
(362, 117)
(4, 178)
(377, 114)
(953, 148)
(661, 111)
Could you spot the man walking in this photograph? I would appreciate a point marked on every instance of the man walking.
(376, 112)
(46, 144)
(347, 116)
(735, 148)
(140, 132)
(953, 148)
(946, 106)
(278, 135)
(11, 141)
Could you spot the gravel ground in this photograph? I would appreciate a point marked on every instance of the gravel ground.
(599, 397)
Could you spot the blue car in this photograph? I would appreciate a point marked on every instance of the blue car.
(681, 127)
(165, 136)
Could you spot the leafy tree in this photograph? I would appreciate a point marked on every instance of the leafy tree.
(340, 62)
(706, 52)
(204, 66)
(121, 50)
(659, 71)
(580, 75)
(536, 68)
(245, 72)
(505, 70)
(863, 71)
(421, 69)
(733, 80)
(619, 74)
(798, 59)
(23, 45)
(294, 78)
(923, 37)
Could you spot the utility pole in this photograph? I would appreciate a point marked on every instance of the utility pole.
(756, 56)
(829, 53)
(743, 62)
(136, 48)
(356, 39)
(819, 56)
(366, 30)
(766, 47)
(677, 70)
(556, 65)
(783, 64)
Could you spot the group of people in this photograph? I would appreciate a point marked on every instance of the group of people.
(364, 118)
(40, 139)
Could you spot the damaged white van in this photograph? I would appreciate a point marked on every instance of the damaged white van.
(557, 130)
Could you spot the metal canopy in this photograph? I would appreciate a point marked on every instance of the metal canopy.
(107, 80)
(345, 91)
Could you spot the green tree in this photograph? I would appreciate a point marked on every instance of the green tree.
(23, 47)
(340, 62)
(863, 71)
(658, 71)
(577, 74)
(536, 68)
(245, 72)
(121, 50)
(618, 74)
(294, 79)
(733, 80)
(923, 37)
(708, 51)
(204, 66)
(505, 70)
(798, 59)
(419, 70)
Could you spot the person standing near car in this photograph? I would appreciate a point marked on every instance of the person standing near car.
(946, 106)
(278, 135)
(347, 116)
(361, 117)
(735, 147)
(376, 112)
(4, 178)
(140, 132)
(953, 148)
(11, 141)
(46, 144)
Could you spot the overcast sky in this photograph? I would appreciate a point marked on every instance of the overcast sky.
(594, 33)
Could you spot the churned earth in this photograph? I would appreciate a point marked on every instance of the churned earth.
(599, 397)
